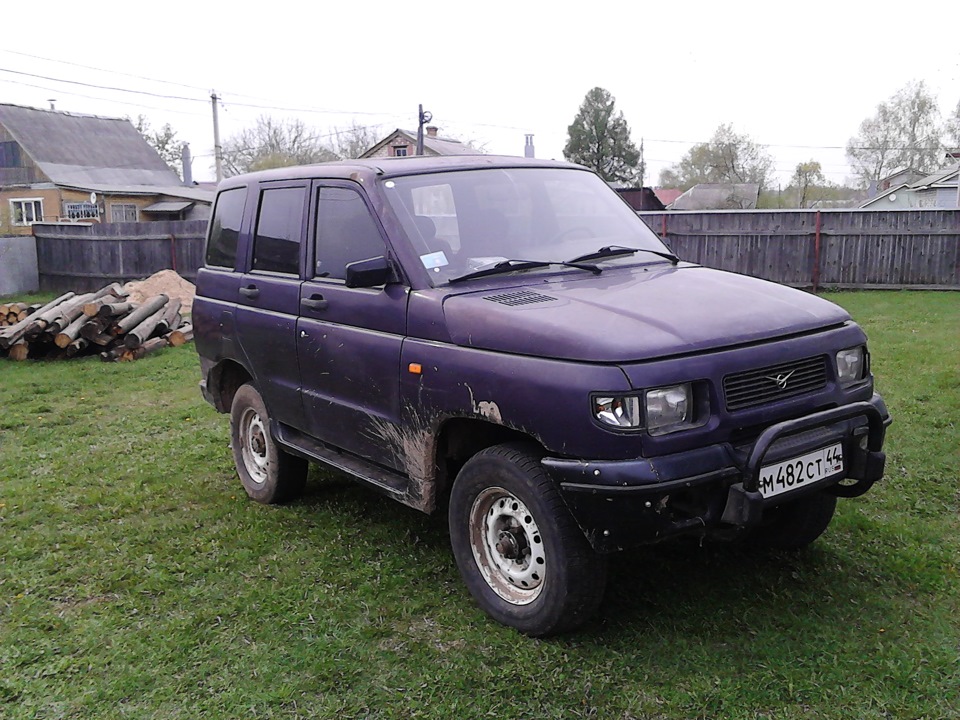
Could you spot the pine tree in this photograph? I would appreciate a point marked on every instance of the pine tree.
(599, 138)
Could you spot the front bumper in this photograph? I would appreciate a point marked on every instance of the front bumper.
(621, 504)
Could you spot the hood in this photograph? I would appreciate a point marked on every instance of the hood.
(633, 314)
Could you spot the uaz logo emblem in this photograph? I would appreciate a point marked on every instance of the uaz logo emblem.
(780, 380)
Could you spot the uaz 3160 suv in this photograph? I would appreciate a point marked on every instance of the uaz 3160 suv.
(505, 339)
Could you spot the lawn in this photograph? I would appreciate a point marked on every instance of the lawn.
(137, 581)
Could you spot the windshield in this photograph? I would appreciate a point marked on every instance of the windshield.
(461, 222)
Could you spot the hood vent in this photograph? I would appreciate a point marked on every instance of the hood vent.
(519, 297)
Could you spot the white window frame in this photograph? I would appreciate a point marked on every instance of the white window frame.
(398, 148)
(113, 210)
(84, 210)
(23, 202)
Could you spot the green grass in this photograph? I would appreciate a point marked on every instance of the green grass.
(136, 580)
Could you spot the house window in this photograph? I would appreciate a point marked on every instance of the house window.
(400, 150)
(123, 212)
(80, 211)
(26, 212)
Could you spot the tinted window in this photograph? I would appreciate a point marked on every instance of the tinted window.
(225, 228)
(276, 245)
(345, 232)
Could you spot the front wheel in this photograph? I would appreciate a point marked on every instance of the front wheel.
(268, 474)
(519, 550)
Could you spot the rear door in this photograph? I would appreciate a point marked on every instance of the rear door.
(349, 338)
(269, 297)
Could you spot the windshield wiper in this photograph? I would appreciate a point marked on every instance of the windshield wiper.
(609, 251)
(506, 266)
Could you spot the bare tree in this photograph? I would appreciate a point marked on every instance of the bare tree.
(953, 129)
(351, 142)
(273, 143)
(728, 157)
(905, 133)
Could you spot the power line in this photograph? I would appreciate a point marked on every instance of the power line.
(102, 87)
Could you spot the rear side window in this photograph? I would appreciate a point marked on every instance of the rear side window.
(276, 245)
(225, 228)
(346, 232)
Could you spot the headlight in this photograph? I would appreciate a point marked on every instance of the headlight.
(850, 365)
(669, 408)
(620, 411)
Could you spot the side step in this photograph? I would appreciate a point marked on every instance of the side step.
(379, 478)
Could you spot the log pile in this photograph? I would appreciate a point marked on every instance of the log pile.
(104, 322)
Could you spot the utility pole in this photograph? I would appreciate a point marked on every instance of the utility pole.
(217, 149)
(425, 117)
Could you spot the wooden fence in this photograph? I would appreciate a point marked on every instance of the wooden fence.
(918, 249)
(87, 257)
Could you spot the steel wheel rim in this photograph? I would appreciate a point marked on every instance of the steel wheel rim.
(507, 546)
(253, 445)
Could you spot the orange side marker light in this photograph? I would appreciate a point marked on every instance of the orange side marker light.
(415, 368)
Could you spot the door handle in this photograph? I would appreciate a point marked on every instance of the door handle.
(251, 292)
(314, 302)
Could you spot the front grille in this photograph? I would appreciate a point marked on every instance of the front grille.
(519, 297)
(756, 387)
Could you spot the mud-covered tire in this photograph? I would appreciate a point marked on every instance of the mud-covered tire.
(519, 551)
(269, 475)
(795, 525)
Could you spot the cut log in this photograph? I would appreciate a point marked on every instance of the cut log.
(19, 350)
(129, 322)
(141, 333)
(68, 312)
(170, 320)
(77, 346)
(148, 347)
(93, 331)
(180, 336)
(71, 332)
(110, 310)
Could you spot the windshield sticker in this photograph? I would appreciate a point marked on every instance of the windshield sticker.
(434, 261)
(389, 184)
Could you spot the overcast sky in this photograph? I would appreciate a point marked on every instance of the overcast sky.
(797, 77)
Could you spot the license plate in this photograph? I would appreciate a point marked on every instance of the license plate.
(801, 471)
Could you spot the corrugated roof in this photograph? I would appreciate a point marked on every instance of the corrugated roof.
(83, 150)
(719, 196)
(168, 206)
(441, 146)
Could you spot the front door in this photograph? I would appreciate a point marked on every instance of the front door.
(348, 339)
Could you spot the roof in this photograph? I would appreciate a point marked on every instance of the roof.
(441, 146)
(86, 150)
(944, 177)
(189, 192)
(719, 196)
(372, 168)
(168, 206)
(667, 195)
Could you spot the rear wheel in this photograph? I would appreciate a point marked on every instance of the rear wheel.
(795, 525)
(519, 550)
(268, 474)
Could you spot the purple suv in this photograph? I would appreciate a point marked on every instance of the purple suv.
(506, 339)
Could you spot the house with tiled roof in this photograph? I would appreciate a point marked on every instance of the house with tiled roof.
(66, 167)
(403, 143)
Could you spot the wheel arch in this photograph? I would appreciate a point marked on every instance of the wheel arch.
(223, 381)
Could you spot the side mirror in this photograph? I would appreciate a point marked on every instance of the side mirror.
(369, 273)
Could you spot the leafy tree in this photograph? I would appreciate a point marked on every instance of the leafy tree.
(953, 129)
(164, 141)
(273, 143)
(728, 157)
(807, 178)
(599, 138)
(904, 133)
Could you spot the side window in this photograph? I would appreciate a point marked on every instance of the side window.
(276, 244)
(224, 228)
(346, 232)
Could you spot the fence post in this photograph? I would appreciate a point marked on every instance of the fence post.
(816, 255)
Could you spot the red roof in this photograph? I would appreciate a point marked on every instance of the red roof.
(667, 195)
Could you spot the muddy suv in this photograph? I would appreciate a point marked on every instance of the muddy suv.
(505, 339)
